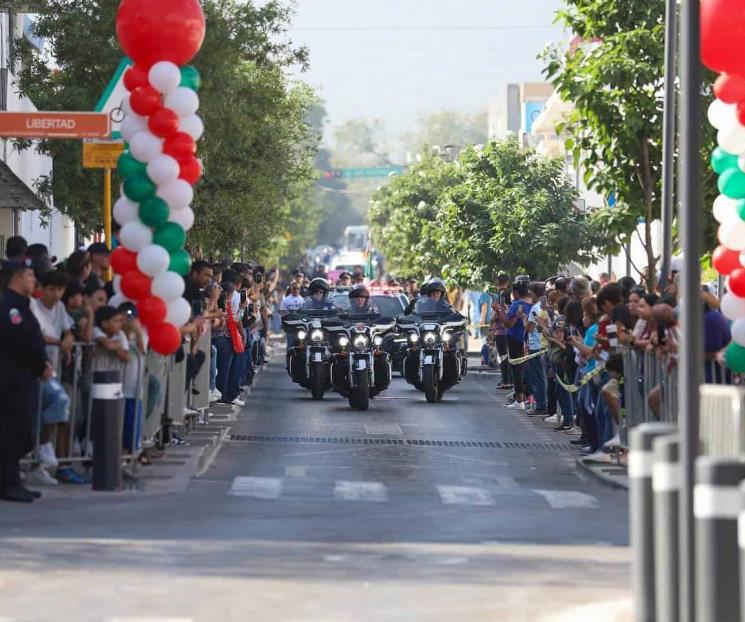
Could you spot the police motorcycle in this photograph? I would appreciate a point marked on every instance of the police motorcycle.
(361, 369)
(312, 338)
(436, 359)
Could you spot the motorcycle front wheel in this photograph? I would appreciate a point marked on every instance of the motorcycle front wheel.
(359, 396)
(430, 384)
(317, 381)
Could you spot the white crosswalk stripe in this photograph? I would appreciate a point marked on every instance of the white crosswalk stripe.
(360, 491)
(464, 495)
(146, 619)
(256, 487)
(568, 499)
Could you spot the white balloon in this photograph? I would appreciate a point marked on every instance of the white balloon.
(135, 236)
(168, 285)
(179, 312)
(725, 209)
(721, 114)
(164, 76)
(163, 169)
(153, 260)
(193, 126)
(133, 124)
(732, 234)
(118, 299)
(125, 105)
(144, 146)
(178, 194)
(125, 211)
(738, 332)
(183, 217)
(732, 138)
(117, 283)
(183, 101)
(733, 307)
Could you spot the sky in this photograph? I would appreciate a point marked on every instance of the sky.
(393, 60)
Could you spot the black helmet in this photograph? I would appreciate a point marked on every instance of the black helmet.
(436, 285)
(359, 291)
(318, 284)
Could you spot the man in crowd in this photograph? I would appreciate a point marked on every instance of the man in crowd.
(197, 281)
(100, 262)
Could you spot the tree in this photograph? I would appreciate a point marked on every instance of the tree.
(257, 148)
(614, 75)
(511, 211)
(359, 142)
(447, 127)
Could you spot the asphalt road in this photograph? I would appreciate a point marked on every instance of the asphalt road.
(315, 513)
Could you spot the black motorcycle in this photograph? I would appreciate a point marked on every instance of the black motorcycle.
(361, 369)
(436, 359)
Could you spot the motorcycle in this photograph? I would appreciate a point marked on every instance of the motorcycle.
(309, 357)
(361, 369)
(435, 359)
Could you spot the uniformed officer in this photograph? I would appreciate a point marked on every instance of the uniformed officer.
(435, 301)
(318, 299)
(359, 298)
(23, 362)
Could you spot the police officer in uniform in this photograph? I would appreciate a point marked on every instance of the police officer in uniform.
(318, 299)
(23, 362)
(360, 304)
(435, 300)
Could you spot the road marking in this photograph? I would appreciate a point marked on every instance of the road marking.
(256, 487)
(146, 619)
(360, 491)
(384, 429)
(506, 482)
(464, 495)
(295, 471)
(611, 611)
(568, 499)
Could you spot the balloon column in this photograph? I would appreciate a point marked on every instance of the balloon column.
(159, 167)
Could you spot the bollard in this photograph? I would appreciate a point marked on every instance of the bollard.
(667, 478)
(106, 429)
(716, 505)
(641, 509)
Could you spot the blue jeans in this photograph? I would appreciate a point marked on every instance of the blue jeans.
(227, 368)
(537, 380)
(213, 367)
(55, 404)
(564, 398)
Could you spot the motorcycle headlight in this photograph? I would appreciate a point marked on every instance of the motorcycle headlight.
(301, 334)
(447, 336)
(317, 335)
(343, 341)
(361, 341)
(414, 338)
(430, 338)
(378, 341)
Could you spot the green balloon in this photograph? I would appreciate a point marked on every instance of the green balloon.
(732, 183)
(128, 166)
(740, 207)
(139, 188)
(734, 357)
(721, 160)
(154, 212)
(180, 262)
(170, 236)
(190, 78)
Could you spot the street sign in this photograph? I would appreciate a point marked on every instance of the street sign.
(362, 173)
(102, 154)
(54, 125)
(111, 100)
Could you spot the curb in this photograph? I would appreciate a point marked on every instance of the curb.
(597, 474)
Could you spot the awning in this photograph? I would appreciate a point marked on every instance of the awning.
(14, 194)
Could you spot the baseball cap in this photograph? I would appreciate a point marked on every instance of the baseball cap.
(99, 248)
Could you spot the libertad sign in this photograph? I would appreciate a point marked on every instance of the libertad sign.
(76, 125)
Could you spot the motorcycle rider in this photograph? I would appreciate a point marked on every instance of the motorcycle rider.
(435, 300)
(318, 298)
(359, 299)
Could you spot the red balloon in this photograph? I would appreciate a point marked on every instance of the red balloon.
(163, 123)
(145, 100)
(135, 77)
(737, 282)
(164, 30)
(740, 112)
(730, 89)
(165, 338)
(722, 29)
(191, 170)
(123, 261)
(180, 146)
(135, 285)
(152, 310)
(725, 261)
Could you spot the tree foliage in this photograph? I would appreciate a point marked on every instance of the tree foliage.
(447, 127)
(257, 149)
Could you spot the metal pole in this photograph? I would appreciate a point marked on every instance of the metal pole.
(666, 487)
(107, 421)
(690, 365)
(668, 137)
(107, 215)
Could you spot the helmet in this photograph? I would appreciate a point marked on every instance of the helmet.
(318, 284)
(359, 291)
(436, 285)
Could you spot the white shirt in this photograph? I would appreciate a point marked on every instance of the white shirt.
(292, 303)
(53, 323)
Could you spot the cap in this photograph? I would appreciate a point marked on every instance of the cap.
(99, 248)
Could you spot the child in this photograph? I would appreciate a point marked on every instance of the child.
(133, 377)
(112, 345)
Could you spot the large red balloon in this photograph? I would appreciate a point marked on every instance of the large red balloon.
(730, 89)
(191, 170)
(180, 146)
(151, 31)
(722, 34)
(123, 260)
(165, 338)
(725, 260)
(145, 100)
(163, 123)
(135, 285)
(152, 310)
(737, 282)
(135, 77)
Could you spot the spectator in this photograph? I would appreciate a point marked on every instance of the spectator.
(579, 288)
(228, 364)
(78, 267)
(15, 249)
(41, 262)
(537, 343)
(82, 314)
(515, 323)
(196, 283)
(134, 376)
(100, 262)
(94, 296)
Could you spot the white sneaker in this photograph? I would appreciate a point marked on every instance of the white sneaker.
(190, 411)
(239, 402)
(552, 419)
(215, 396)
(598, 456)
(40, 477)
(47, 457)
(516, 406)
(614, 442)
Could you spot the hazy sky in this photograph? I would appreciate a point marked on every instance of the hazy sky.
(394, 59)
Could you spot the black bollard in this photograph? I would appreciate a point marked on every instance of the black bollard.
(107, 419)
(667, 478)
